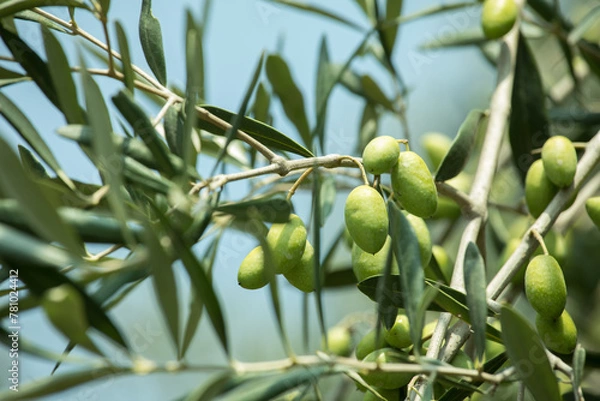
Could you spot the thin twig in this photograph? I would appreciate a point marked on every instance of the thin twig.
(299, 181)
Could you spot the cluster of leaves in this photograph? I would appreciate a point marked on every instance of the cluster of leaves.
(148, 205)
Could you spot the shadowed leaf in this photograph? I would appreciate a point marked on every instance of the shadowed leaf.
(475, 286)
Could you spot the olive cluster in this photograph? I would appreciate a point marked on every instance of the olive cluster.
(291, 255)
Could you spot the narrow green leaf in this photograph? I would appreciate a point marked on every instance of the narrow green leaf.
(368, 126)
(316, 243)
(262, 132)
(202, 284)
(406, 250)
(368, 8)
(462, 145)
(152, 42)
(33, 65)
(327, 198)
(128, 74)
(108, 160)
(589, 21)
(8, 74)
(289, 94)
(475, 286)
(136, 173)
(374, 93)
(54, 384)
(528, 355)
(105, 6)
(11, 7)
(143, 127)
(195, 49)
(31, 164)
(235, 124)
(27, 131)
(29, 15)
(40, 214)
(132, 147)
(468, 37)
(269, 387)
(216, 386)
(393, 9)
(529, 127)
(339, 278)
(319, 11)
(163, 281)
(39, 264)
(273, 208)
(324, 86)
(578, 366)
(261, 105)
(60, 71)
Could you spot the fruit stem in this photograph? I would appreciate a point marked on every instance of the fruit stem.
(360, 166)
(294, 187)
(540, 239)
(405, 142)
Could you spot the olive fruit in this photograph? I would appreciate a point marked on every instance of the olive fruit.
(339, 341)
(560, 334)
(444, 263)
(423, 237)
(380, 155)
(398, 335)
(545, 286)
(366, 218)
(560, 160)
(302, 276)
(436, 145)
(390, 395)
(462, 360)
(592, 205)
(414, 186)
(252, 274)
(369, 343)
(498, 17)
(539, 190)
(447, 208)
(287, 242)
(386, 380)
(65, 308)
(365, 264)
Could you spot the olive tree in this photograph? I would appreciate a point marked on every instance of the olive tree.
(444, 241)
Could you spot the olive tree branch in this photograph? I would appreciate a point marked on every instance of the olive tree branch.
(587, 164)
(282, 168)
(482, 183)
(158, 88)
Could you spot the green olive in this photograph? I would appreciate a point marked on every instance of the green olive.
(443, 260)
(423, 237)
(592, 205)
(498, 17)
(65, 308)
(366, 218)
(545, 286)
(369, 343)
(462, 360)
(339, 340)
(365, 264)
(389, 395)
(380, 155)
(287, 242)
(560, 334)
(560, 160)
(539, 190)
(302, 276)
(398, 335)
(414, 186)
(252, 274)
(386, 380)
(436, 145)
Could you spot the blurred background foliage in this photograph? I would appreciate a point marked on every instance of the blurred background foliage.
(438, 69)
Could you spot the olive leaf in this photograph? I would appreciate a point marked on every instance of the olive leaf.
(152, 42)
(475, 285)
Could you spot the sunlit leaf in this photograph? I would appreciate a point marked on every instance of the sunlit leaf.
(318, 11)
(528, 355)
(475, 285)
(152, 42)
(128, 74)
(462, 145)
(406, 250)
